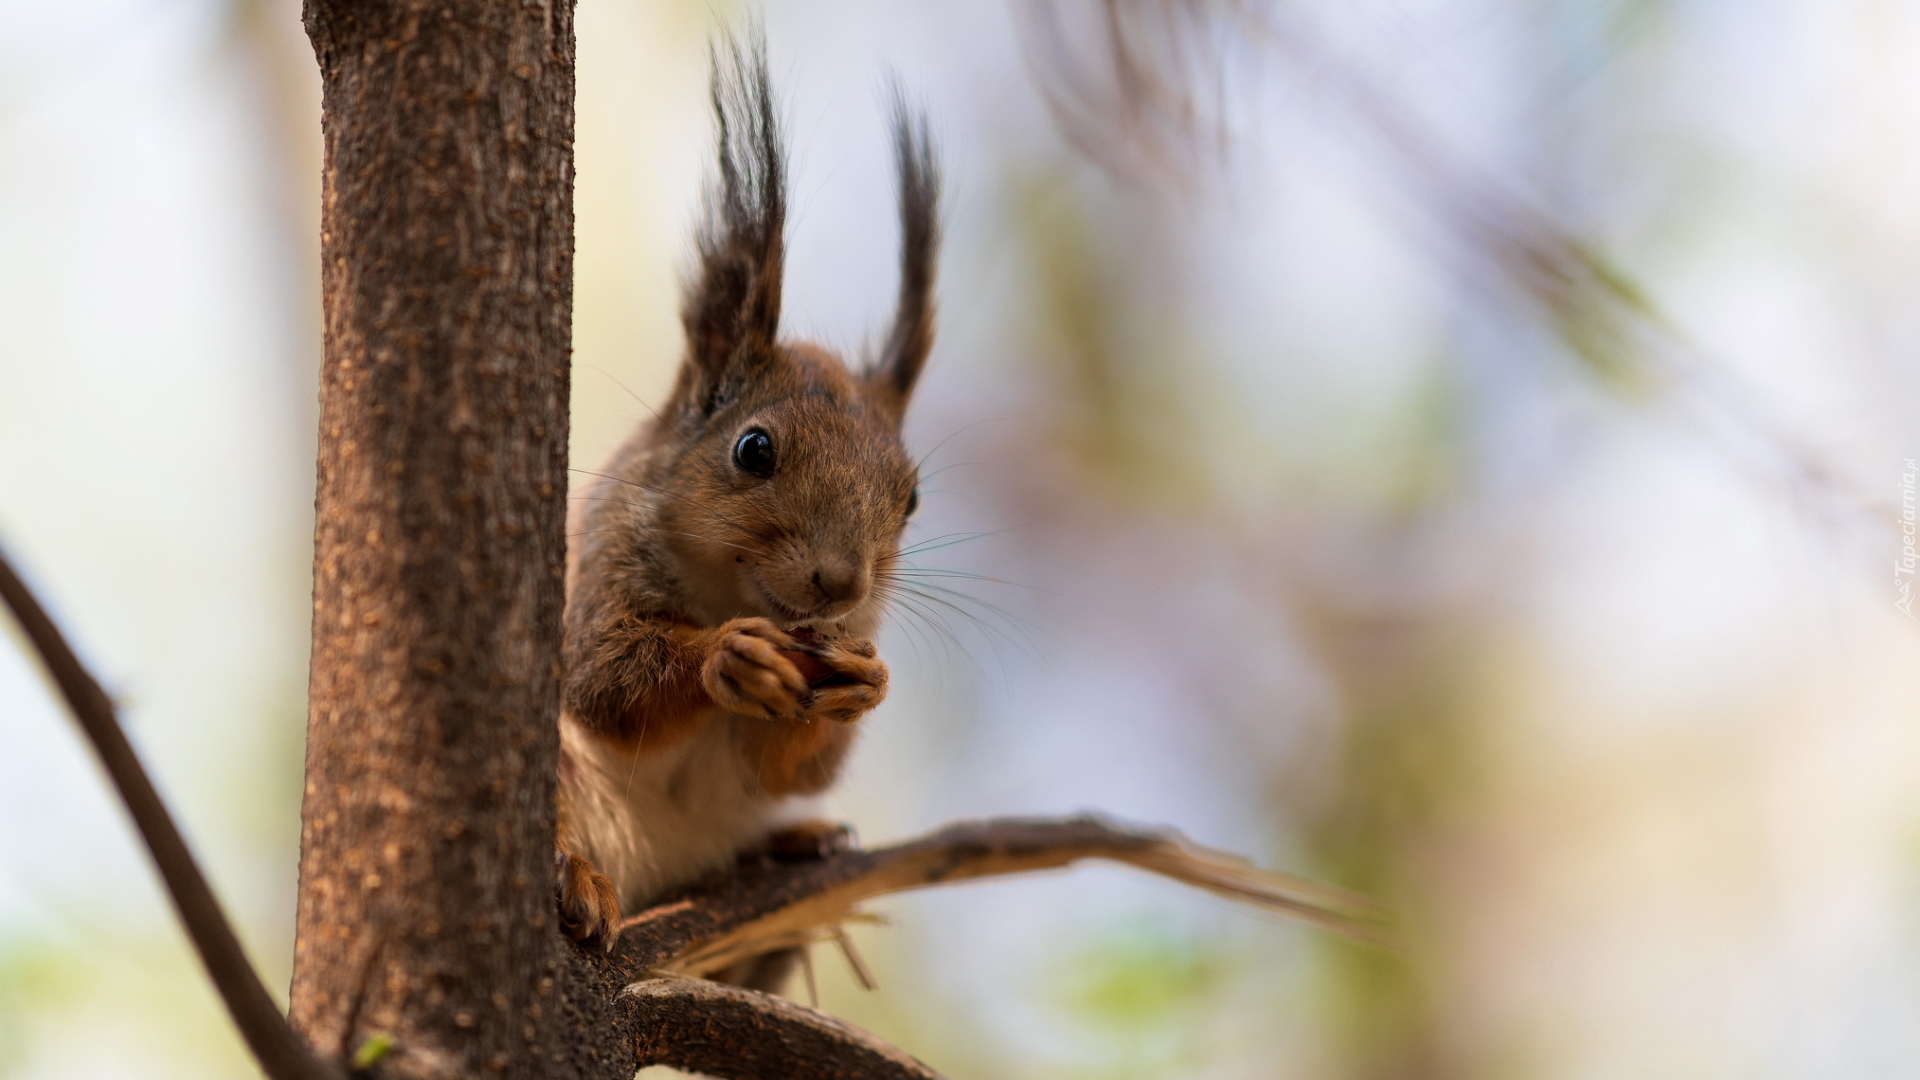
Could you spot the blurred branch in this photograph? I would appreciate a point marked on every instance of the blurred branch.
(1159, 107)
(780, 906)
(1610, 322)
(281, 1053)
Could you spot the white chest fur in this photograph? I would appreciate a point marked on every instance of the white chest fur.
(656, 821)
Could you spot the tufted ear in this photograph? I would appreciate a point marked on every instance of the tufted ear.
(731, 310)
(905, 352)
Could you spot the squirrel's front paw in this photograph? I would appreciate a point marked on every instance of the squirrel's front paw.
(845, 674)
(746, 673)
(589, 907)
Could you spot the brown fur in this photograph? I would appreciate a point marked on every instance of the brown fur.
(719, 623)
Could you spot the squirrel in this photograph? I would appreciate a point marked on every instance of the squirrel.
(731, 563)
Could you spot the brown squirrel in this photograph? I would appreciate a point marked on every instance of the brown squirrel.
(731, 561)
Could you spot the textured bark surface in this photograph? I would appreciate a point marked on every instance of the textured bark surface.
(726, 1031)
(426, 873)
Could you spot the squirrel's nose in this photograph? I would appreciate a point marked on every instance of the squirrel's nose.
(840, 582)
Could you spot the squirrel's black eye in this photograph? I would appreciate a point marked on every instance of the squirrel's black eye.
(913, 502)
(754, 453)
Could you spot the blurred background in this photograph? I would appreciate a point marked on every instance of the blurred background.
(1452, 448)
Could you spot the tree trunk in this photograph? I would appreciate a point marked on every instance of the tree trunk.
(427, 942)
(426, 910)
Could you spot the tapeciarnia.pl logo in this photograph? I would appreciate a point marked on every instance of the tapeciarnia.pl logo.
(1903, 567)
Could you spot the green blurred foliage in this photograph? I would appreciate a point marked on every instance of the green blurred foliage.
(1143, 993)
(35, 977)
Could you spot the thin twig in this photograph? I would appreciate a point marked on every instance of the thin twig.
(861, 973)
(280, 1051)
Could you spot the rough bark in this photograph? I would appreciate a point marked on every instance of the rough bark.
(426, 917)
(726, 1031)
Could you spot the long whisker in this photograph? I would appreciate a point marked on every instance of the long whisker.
(924, 477)
(910, 622)
(946, 540)
(921, 463)
(722, 543)
(655, 413)
(630, 483)
(608, 499)
(1016, 632)
(937, 572)
(915, 609)
(952, 602)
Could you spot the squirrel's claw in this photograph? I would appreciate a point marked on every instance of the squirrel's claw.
(852, 680)
(589, 906)
(756, 669)
(746, 673)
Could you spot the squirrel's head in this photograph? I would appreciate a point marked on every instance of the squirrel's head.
(789, 483)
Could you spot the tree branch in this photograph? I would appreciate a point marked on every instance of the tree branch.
(777, 906)
(281, 1053)
(740, 1034)
(725, 1031)
(1164, 101)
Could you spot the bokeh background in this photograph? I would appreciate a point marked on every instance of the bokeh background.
(1452, 448)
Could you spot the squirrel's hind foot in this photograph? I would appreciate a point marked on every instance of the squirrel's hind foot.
(589, 906)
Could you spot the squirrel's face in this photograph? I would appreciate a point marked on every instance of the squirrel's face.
(785, 486)
(799, 492)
